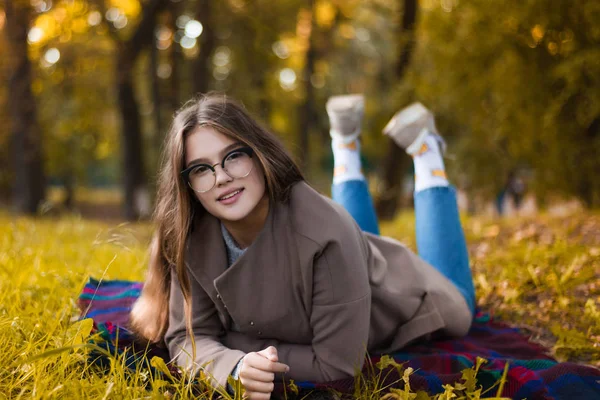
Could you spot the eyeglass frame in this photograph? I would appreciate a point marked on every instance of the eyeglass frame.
(185, 174)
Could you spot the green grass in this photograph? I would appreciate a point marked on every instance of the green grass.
(541, 274)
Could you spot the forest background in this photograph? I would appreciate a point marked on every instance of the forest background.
(89, 89)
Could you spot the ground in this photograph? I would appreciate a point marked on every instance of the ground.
(540, 273)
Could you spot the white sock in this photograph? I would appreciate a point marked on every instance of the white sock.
(429, 165)
(346, 161)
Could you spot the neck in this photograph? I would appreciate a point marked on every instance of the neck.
(246, 230)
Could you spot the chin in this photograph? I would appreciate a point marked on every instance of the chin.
(229, 213)
(232, 215)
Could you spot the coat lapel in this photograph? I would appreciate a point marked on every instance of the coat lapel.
(207, 258)
(256, 288)
(252, 282)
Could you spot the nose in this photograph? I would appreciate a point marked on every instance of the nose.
(221, 176)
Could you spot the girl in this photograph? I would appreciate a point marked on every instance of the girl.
(253, 273)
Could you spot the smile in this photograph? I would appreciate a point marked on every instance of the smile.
(231, 196)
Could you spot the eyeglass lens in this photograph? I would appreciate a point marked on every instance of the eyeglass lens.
(237, 165)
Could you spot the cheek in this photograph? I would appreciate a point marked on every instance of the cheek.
(203, 199)
(258, 180)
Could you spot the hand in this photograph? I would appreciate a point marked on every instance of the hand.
(257, 373)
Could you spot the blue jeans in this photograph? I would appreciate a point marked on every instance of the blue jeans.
(440, 237)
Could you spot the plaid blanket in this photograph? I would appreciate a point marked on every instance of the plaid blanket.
(532, 373)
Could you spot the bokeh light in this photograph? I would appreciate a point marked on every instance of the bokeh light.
(112, 14)
(163, 33)
(193, 29)
(221, 73)
(164, 71)
(52, 56)
(222, 56)
(94, 18)
(182, 20)
(121, 22)
(287, 79)
(41, 6)
(281, 50)
(35, 35)
(188, 42)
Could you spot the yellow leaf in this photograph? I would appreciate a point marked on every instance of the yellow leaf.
(159, 383)
(403, 394)
(160, 365)
(292, 387)
(79, 332)
(387, 361)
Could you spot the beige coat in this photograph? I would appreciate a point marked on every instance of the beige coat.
(314, 286)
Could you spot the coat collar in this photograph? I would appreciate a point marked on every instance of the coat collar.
(206, 255)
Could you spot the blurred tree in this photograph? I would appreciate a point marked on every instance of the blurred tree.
(519, 87)
(202, 71)
(512, 85)
(128, 49)
(244, 60)
(72, 64)
(175, 59)
(396, 160)
(29, 178)
(5, 167)
(155, 89)
(306, 113)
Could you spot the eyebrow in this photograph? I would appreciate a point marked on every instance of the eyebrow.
(222, 153)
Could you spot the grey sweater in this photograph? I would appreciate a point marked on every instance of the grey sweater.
(233, 253)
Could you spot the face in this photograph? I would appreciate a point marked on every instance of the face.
(205, 145)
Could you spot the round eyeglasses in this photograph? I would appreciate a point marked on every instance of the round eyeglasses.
(203, 177)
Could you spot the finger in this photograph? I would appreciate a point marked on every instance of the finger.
(256, 386)
(257, 375)
(257, 396)
(270, 353)
(269, 366)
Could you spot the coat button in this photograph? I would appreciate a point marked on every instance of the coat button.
(259, 333)
(251, 323)
(218, 296)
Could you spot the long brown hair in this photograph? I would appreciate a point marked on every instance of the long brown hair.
(176, 206)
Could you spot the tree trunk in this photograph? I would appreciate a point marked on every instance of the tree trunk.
(156, 103)
(69, 184)
(29, 179)
(307, 108)
(396, 161)
(137, 199)
(407, 44)
(589, 191)
(133, 164)
(175, 60)
(264, 106)
(201, 65)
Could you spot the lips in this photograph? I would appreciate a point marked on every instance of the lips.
(229, 194)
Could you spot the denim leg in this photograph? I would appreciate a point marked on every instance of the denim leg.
(354, 196)
(440, 237)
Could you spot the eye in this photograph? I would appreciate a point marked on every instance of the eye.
(235, 155)
(199, 170)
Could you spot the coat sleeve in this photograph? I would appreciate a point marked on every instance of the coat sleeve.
(213, 357)
(339, 320)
